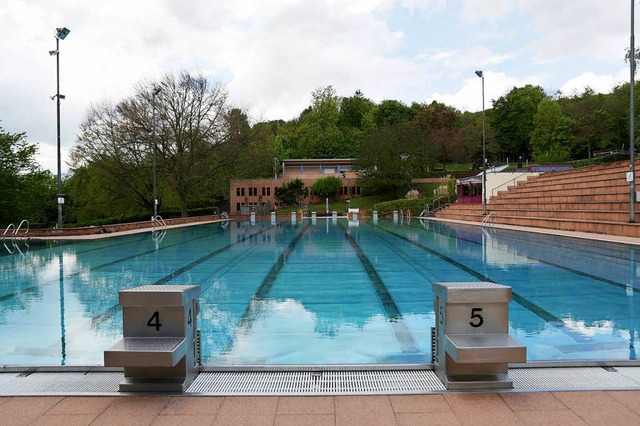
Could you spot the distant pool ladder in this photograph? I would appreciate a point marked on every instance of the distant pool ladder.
(225, 223)
(14, 234)
(490, 219)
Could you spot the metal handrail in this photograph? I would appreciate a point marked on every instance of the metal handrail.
(507, 182)
(489, 219)
(224, 215)
(15, 233)
(11, 225)
(158, 222)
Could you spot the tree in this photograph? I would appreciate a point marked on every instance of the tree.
(441, 123)
(512, 119)
(26, 191)
(320, 136)
(391, 112)
(193, 131)
(551, 137)
(291, 192)
(327, 186)
(391, 156)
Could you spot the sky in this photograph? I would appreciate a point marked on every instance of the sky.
(272, 54)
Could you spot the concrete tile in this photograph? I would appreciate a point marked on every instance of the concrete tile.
(487, 417)
(22, 410)
(306, 405)
(65, 420)
(132, 410)
(184, 420)
(82, 405)
(550, 418)
(249, 405)
(426, 419)
(238, 419)
(305, 420)
(631, 399)
(481, 409)
(598, 408)
(364, 410)
(530, 401)
(475, 401)
(419, 404)
(193, 405)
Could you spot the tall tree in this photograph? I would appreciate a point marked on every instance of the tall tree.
(512, 119)
(551, 137)
(391, 156)
(192, 129)
(26, 191)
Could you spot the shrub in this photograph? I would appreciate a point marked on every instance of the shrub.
(415, 205)
(327, 186)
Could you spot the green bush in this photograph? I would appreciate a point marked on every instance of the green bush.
(327, 186)
(415, 205)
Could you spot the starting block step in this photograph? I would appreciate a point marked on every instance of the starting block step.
(490, 348)
(146, 352)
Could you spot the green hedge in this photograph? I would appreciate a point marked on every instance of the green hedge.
(599, 160)
(416, 205)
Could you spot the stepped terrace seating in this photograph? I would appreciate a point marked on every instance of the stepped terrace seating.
(589, 199)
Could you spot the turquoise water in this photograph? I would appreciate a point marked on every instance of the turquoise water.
(319, 293)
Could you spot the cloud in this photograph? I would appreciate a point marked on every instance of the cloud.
(599, 83)
(469, 97)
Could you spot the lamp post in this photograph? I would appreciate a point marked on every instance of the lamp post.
(156, 91)
(480, 74)
(632, 138)
(61, 34)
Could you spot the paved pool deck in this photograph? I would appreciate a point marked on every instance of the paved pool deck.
(522, 408)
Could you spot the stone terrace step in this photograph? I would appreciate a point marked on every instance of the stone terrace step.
(593, 199)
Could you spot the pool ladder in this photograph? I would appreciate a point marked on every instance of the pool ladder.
(490, 219)
(14, 236)
(225, 217)
(159, 228)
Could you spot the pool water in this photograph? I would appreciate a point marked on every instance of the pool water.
(323, 292)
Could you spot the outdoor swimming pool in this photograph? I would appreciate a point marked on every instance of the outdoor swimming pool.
(320, 293)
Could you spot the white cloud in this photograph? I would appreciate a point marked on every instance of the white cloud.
(487, 10)
(599, 83)
(469, 97)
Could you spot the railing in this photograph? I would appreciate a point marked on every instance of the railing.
(514, 180)
(435, 205)
(490, 219)
(224, 215)
(26, 231)
(158, 223)
(11, 225)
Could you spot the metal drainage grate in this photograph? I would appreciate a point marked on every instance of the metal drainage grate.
(62, 383)
(573, 378)
(316, 383)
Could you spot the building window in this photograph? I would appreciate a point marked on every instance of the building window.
(237, 192)
(242, 192)
(268, 191)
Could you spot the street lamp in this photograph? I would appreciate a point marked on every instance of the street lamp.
(632, 139)
(61, 34)
(156, 91)
(480, 74)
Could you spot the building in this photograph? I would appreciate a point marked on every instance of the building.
(258, 195)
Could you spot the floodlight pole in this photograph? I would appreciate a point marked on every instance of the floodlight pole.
(60, 195)
(632, 138)
(156, 91)
(484, 152)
